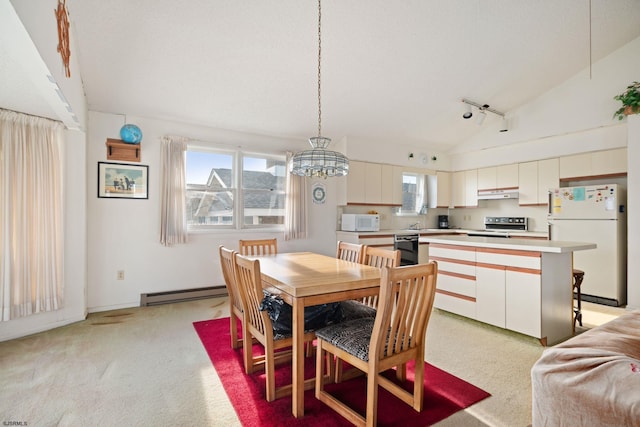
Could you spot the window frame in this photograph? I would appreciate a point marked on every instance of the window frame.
(237, 189)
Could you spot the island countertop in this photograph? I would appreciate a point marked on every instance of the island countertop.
(549, 246)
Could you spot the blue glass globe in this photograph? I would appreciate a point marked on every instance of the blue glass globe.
(131, 134)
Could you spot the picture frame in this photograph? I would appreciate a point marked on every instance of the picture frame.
(123, 181)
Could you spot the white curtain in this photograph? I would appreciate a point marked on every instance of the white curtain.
(295, 216)
(31, 215)
(173, 217)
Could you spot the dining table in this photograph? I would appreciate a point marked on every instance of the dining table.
(305, 279)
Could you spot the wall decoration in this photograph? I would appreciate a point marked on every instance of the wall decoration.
(122, 181)
(319, 194)
(62, 16)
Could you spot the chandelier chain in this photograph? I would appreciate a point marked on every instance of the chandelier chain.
(319, 69)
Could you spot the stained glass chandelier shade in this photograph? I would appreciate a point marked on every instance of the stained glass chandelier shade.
(319, 162)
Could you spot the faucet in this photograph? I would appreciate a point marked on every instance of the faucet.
(415, 226)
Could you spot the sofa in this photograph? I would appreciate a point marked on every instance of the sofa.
(592, 379)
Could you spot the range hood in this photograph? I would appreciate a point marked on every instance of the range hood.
(509, 193)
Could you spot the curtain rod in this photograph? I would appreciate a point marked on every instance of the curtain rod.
(32, 115)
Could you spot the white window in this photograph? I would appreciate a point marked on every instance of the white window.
(414, 193)
(231, 189)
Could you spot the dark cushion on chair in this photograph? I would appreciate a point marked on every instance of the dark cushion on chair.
(352, 309)
(351, 336)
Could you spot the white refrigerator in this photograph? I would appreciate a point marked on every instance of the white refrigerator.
(594, 214)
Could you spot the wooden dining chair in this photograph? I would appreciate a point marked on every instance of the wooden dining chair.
(259, 247)
(235, 302)
(257, 324)
(350, 251)
(395, 337)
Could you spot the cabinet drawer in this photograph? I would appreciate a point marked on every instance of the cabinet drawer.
(455, 305)
(446, 265)
(457, 285)
(509, 258)
(445, 251)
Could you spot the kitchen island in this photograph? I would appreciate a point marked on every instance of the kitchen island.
(522, 285)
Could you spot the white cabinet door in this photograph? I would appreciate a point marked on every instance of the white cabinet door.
(356, 182)
(471, 187)
(458, 189)
(578, 165)
(487, 179)
(548, 177)
(386, 184)
(443, 197)
(373, 183)
(396, 180)
(507, 176)
(523, 303)
(609, 162)
(528, 183)
(490, 295)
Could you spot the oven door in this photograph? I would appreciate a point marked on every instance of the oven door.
(408, 246)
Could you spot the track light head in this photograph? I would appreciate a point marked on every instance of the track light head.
(505, 125)
(481, 116)
(467, 112)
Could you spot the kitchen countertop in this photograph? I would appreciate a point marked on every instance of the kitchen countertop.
(441, 231)
(513, 244)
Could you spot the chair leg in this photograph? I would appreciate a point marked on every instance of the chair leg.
(269, 370)
(233, 330)
(372, 399)
(401, 372)
(320, 369)
(418, 385)
(247, 349)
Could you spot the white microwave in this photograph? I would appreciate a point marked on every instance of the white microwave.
(360, 222)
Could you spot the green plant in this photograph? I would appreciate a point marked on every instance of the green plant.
(630, 99)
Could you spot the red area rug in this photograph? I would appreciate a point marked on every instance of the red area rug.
(444, 393)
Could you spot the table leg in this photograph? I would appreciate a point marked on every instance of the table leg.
(298, 359)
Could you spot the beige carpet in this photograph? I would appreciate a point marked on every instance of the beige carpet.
(146, 366)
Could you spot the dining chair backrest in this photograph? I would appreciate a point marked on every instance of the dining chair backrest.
(378, 257)
(353, 252)
(406, 302)
(229, 275)
(259, 247)
(250, 284)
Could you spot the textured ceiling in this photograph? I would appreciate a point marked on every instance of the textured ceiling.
(391, 70)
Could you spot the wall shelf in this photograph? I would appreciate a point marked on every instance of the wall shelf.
(120, 150)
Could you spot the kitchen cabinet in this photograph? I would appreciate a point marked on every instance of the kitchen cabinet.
(535, 179)
(594, 165)
(487, 178)
(471, 187)
(374, 184)
(490, 294)
(499, 177)
(456, 285)
(523, 302)
(464, 188)
(443, 195)
(458, 189)
(507, 176)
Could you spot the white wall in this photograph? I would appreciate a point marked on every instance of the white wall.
(75, 248)
(124, 234)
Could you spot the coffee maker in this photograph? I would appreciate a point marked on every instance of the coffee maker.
(443, 221)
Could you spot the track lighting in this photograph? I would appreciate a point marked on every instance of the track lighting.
(467, 112)
(482, 113)
(481, 116)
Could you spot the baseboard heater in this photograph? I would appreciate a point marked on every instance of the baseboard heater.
(182, 295)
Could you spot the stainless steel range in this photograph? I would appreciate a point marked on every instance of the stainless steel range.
(500, 226)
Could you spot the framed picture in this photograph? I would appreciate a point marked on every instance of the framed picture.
(122, 181)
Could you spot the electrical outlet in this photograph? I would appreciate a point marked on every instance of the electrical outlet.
(120, 274)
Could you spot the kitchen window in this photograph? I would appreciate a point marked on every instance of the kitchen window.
(414, 194)
(234, 190)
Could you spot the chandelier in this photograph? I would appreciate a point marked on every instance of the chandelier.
(319, 162)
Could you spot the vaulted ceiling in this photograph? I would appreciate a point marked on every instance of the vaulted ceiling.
(391, 70)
